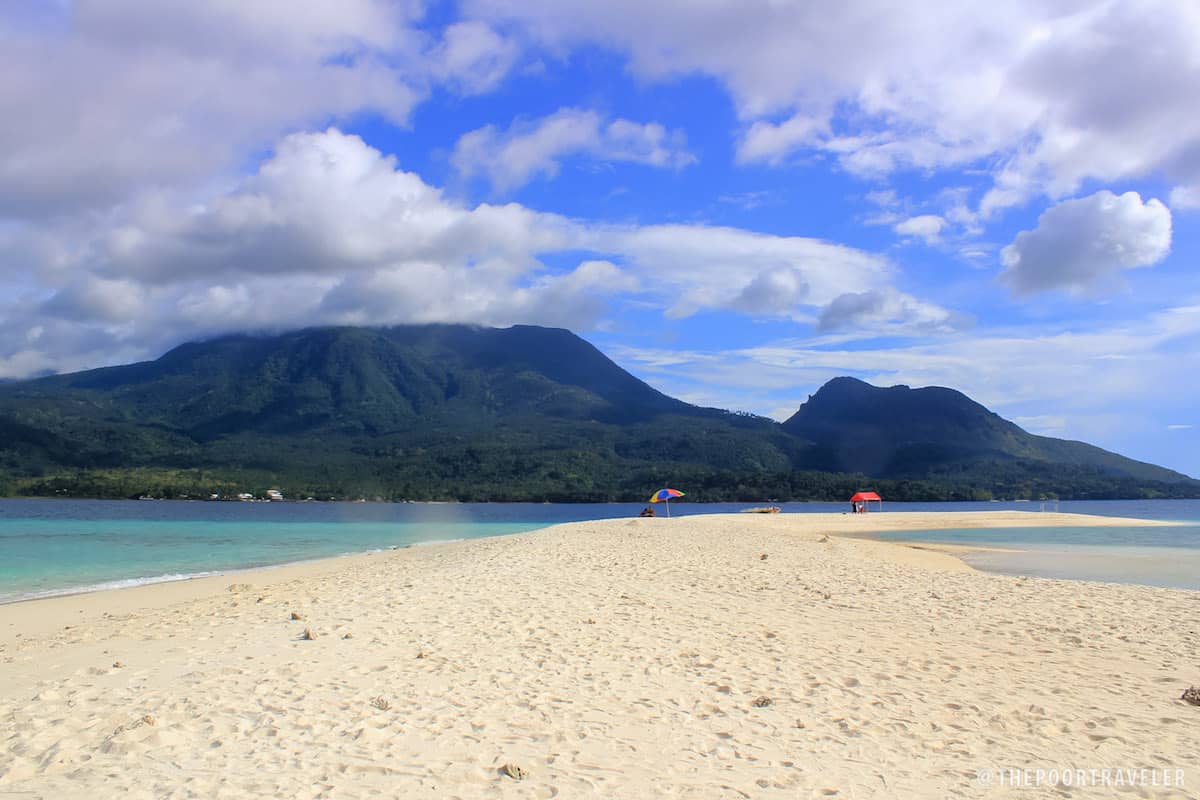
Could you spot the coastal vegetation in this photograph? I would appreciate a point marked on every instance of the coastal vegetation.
(447, 412)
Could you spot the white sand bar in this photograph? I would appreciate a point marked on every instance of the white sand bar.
(615, 659)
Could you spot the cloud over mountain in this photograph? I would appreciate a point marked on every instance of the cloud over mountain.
(329, 230)
(658, 175)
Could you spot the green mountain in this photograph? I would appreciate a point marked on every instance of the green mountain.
(407, 412)
(523, 413)
(898, 432)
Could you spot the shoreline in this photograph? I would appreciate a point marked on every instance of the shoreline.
(39, 615)
(184, 577)
(740, 655)
(860, 525)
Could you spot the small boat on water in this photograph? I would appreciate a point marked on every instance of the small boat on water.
(761, 510)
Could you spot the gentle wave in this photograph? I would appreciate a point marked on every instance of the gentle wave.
(129, 583)
(125, 583)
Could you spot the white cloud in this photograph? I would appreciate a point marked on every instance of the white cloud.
(1085, 243)
(473, 56)
(704, 267)
(1185, 197)
(1014, 368)
(140, 95)
(530, 148)
(1045, 95)
(325, 203)
(927, 227)
(97, 299)
(424, 292)
(887, 311)
(773, 291)
(328, 230)
(331, 231)
(770, 143)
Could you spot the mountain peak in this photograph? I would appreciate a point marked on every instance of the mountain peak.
(425, 411)
(903, 432)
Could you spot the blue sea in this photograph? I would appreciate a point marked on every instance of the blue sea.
(50, 547)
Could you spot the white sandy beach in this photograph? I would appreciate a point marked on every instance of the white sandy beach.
(615, 659)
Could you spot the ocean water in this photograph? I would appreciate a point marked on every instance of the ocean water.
(52, 547)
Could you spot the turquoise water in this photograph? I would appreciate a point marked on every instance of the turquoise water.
(52, 547)
(45, 557)
(55, 546)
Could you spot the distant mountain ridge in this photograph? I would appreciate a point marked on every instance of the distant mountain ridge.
(902, 432)
(453, 411)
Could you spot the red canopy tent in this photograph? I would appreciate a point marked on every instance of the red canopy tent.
(864, 498)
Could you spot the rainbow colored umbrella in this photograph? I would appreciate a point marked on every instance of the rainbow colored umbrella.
(665, 496)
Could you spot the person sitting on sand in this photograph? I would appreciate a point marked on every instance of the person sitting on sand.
(647, 512)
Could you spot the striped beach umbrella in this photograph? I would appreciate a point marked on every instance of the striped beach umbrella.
(664, 496)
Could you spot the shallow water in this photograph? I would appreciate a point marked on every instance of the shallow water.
(1173, 567)
(1158, 556)
(56, 546)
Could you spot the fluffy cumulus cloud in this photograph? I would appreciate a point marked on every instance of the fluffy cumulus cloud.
(426, 292)
(771, 142)
(1085, 243)
(473, 57)
(927, 227)
(529, 148)
(329, 230)
(145, 94)
(326, 203)
(706, 267)
(1046, 95)
(886, 310)
(773, 291)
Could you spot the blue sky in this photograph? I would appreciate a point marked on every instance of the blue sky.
(734, 200)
